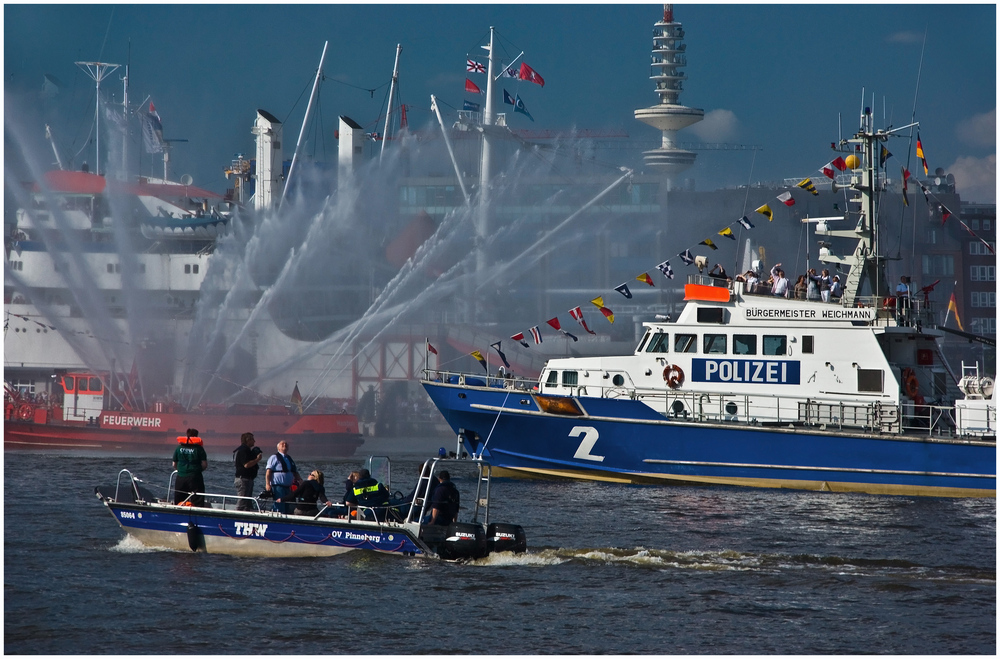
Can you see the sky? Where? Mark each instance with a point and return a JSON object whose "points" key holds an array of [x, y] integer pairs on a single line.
{"points": [[788, 78]]}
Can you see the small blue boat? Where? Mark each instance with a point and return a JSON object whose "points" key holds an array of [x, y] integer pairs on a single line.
{"points": [[219, 527]]}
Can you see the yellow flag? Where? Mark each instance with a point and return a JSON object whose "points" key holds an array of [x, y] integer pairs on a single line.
{"points": [[598, 302], [766, 211], [479, 357], [728, 233]]}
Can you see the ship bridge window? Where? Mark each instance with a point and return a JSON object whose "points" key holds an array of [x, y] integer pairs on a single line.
{"points": [[711, 315], [659, 343], [68, 383], [715, 344], [645, 337], [775, 345], [685, 343], [553, 379], [569, 378], [744, 344]]}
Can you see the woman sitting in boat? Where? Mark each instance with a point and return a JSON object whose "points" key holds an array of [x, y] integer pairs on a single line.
{"points": [[308, 493]]}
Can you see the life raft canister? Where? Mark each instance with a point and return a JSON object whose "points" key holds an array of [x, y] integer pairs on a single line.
{"points": [[673, 375]]}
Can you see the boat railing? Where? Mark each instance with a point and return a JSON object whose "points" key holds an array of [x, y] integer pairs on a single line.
{"points": [[506, 381], [132, 486]]}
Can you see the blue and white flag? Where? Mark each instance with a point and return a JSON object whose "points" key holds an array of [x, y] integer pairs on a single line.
{"points": [[745, 222], [519, 107], [470, 106], [623, 289], [687, 257], [665, 268], [511, 72]]}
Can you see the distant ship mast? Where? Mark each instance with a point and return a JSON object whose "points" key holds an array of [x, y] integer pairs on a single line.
{"points": [[669, 116], [98, 71]]}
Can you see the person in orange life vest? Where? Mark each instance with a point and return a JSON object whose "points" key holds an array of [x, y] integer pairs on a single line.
{"points": [[190, 460]]}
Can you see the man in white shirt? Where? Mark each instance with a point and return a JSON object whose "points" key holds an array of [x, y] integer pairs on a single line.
{"points": [[780, 285]]}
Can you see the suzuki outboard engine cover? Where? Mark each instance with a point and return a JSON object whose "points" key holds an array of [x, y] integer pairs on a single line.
{"points": [[463, 541], [506, 537]]}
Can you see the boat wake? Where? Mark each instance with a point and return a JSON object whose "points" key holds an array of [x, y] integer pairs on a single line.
{"points": [[129, 545], [731, 560]]}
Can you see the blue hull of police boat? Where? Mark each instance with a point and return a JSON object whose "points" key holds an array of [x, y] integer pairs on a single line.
{"points": [[625, 440]]}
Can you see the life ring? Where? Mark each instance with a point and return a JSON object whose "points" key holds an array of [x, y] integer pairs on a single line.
{"points": [[911, 385], [673, 375], [25, 412]]}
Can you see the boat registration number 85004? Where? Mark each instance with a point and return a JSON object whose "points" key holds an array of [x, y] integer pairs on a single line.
{"points": [[752, 371]]}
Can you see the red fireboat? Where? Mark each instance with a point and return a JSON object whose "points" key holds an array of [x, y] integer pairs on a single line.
{"points": [[82, 421]]}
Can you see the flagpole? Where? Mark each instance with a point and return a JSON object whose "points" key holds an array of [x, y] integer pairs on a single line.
{"points": [[427, 356]]}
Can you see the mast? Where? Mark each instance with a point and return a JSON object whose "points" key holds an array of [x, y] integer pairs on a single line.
{"points": [[97, 71], [392, 94], [305, 120], [125, 115], [867, 264], [486, 166]]}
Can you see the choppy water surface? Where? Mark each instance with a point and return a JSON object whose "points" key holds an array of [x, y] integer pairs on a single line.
{"points": [[610, 569]]}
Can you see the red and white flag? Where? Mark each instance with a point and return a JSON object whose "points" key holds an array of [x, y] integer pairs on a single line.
{"points": [[786, 199], [828, 171], [474, 66], [472, 87], [519, 337], [535, 335], [529, 74], [577, 315]]}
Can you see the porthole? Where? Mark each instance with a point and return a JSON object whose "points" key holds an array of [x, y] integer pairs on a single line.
{"points": [[618, 380]]}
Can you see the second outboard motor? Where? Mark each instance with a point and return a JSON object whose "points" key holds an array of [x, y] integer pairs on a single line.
{"points": [[506, 537], [463, 541]]}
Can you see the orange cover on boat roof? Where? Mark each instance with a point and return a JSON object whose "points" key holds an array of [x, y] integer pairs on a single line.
{"points": [[706, 293]]}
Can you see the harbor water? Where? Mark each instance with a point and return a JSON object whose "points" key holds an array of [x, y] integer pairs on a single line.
{"points": [[610, 569]]}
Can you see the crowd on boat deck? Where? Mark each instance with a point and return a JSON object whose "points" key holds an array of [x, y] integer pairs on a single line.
{"points": [[809, 286], [364, 496]]}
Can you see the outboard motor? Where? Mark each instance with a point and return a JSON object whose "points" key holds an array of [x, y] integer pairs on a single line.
{"points": [[506, 537], [463, 541]]}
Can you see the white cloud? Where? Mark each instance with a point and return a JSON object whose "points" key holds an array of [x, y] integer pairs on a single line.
{"points": [[979, 130], [976, 178], [717, 126]]}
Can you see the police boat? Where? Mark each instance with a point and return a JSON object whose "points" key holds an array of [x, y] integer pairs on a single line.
{"points": [[246, 526]]}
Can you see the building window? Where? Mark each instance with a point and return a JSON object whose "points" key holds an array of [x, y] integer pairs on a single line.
{"points": [[187, 268], [983, 325], [986, 225], [194, 268], [978, 248], [938, 264], [984, 299], [975, 225], [983, 273], [111, 268]]}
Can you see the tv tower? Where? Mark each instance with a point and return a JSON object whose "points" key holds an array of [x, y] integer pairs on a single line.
{"points": [[669, 115]]}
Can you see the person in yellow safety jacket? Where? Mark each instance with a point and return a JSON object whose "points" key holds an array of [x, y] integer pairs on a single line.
{"points": [[369, 493]]}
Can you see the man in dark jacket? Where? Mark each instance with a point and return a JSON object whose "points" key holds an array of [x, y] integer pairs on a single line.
{"points": [[369, 493], [445, 501], [247, 462]]}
